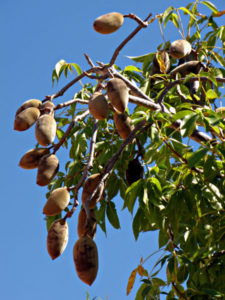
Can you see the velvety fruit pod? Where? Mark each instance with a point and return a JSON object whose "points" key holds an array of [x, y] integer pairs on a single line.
{"points": [[29, 103], [45, 130], [180, 49], [57, 201], [30, 159], [117, 93], [85, 256], [47, 108], [98, 106], [134, 171], [26, 118], [86, 229], [47, 169], [123, 126], [57, 238], [162, 56], [108, 23], [193, 66], [89, 186], [221, 111]]}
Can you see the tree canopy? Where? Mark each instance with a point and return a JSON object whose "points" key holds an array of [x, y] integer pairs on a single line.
{"points": [[160, 147]]}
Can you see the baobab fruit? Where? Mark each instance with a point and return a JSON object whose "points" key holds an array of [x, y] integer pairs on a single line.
{"points": [[57, 238], [134, 171], [98, 106], [85, 256], [47, 108], [89, 186], [29, 103], [221, 112], [117, 93], [123, 124], [26, 118], [108, 23], [160, 63], [57, 201], [85, 227], [31, 158], [47, 169], [193, 66], [180, 49], [45, 130]]}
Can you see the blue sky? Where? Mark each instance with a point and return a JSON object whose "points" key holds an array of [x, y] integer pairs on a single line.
{"points": [[34, 36]]}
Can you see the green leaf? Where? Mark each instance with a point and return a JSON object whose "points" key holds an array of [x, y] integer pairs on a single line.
{"points": [[137, 228], [132, 69], [181, 114], [210, 94], [189, 124], [112, 215], [77, 68], [132, 193], [196, 157], [141, 58], [210, 5], [187, 11], [59, 67]]}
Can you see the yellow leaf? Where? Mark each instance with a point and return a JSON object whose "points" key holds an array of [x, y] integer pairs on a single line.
{"points": [[140, 270], [141, 260], [131, 281], [219, 14], [161, 63]]}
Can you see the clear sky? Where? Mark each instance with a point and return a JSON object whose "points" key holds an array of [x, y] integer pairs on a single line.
{"points": [[34, 36]]}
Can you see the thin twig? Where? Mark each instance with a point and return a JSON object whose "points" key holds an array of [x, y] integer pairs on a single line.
{"points": [[137, 19], [90, 62], [178, 292], [178, 81], [70, 127], [181, 25], [70, 102], [130, 36]]}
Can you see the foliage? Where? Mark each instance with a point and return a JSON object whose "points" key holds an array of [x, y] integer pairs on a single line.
{"points": [[181, 194]]}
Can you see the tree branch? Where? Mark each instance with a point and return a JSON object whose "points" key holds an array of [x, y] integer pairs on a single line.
{"points": [[130, 36], [173, 83], [110, 164], [70, 102], [70, 127], [87, 168]]}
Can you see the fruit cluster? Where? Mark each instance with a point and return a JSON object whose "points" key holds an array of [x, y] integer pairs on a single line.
{"points": [[85, 252]]}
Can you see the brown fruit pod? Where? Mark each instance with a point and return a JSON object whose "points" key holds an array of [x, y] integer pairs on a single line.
{"points": [[122, 123], [86, 229], [108, 23], [117, 93], [26, 118], [31, 158], [193, 66], [85, 256], [98, 106], [89, 186], [134, 171], [47, 108], [180, 49], [29, 103], [47, 169], [57, 238], [162, 56], [45, 130], [57, 201]]}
